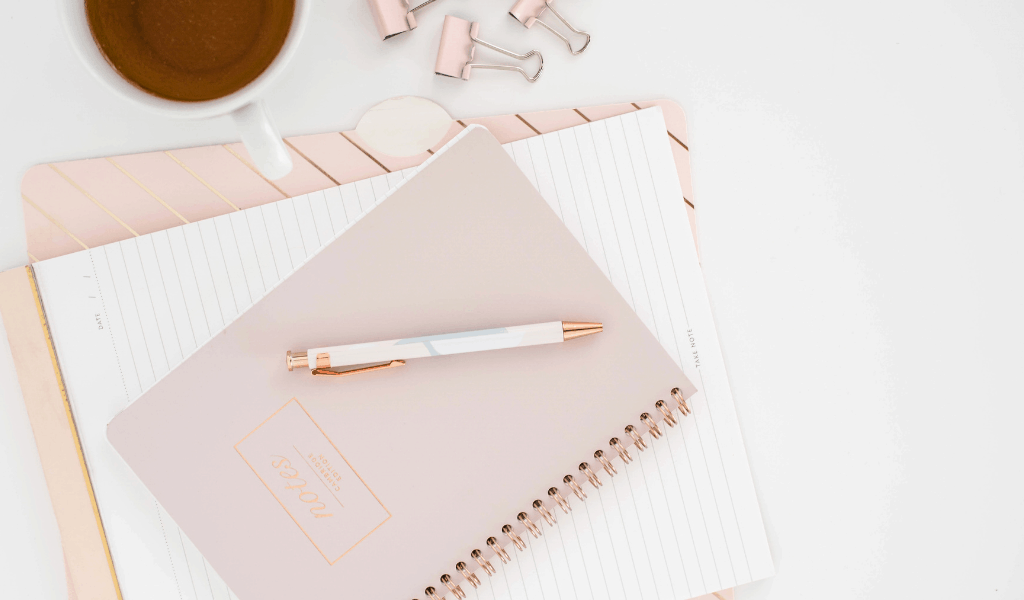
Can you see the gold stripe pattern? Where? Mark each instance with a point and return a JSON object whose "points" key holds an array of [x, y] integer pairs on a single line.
{"points": [[53, 220], [71, 423], [677, 140], [254, 170], [582, 115], [527, 123], [201, 180], [370, 156], [93, 199], [147, 190], [315, 166], [32, 257]]}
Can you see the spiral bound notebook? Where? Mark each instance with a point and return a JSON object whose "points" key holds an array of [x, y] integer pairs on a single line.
{"points": [[170, 567], [614, 184], [423, 467]]}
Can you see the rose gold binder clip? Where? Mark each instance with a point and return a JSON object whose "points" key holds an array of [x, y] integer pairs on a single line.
{"points": [[470, 577], [530, 526], [544, 512], [683, 406], [483, 562], [446, 579], [510, 532], [493, 543], [458, 48], [671, 420], [393, 17], [528, 12]]}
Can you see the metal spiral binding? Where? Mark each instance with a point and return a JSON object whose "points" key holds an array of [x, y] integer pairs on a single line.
{"points": [[470, 576], [483, 562], [656, 432], [608, 466], [671, 420], [446, 579], [683, 406], [623, 453], [493, 543], [652, 426], [591, 476], [562, 504], [638, 441], [512, 535], [525, 520], [544, 512], [575, 487]]}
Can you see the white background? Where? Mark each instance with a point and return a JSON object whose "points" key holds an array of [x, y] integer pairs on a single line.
{"points": [[859, 176]]}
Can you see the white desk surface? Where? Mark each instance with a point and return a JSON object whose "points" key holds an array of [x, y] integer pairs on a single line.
{"points": [[859, 174]]}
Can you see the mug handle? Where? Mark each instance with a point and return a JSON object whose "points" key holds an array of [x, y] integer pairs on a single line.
{"points": [[261, 139]]}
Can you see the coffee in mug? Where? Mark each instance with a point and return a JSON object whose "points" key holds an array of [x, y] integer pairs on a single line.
{"points": [[190, 50]]}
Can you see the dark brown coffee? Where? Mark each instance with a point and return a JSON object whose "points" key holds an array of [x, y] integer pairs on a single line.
{"points": [[190, 50]]}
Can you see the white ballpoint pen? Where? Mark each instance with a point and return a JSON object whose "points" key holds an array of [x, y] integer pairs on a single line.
{"points": [[394, 353]]}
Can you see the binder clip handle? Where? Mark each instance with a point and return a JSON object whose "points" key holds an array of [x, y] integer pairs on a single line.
{"points": [[513, 55], [421, 5], [528, 12], [457, 50]]}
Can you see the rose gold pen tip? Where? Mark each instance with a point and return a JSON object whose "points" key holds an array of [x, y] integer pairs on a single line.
{"points": [[572, 334], [576, 325]]}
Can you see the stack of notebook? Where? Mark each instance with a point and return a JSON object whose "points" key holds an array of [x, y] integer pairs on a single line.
{"points": [[444, 458]]}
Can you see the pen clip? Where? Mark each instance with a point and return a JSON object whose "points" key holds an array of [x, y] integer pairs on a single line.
{"points": [[331, 373]]}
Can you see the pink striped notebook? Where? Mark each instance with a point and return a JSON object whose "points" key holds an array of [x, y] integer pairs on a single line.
{"points": [[80, 204]]}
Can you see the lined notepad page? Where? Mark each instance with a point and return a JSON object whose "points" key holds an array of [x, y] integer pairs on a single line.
{"points": [[680, 521]]}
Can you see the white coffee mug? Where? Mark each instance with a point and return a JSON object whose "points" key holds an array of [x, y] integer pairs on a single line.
{"points": [[257, 129]]}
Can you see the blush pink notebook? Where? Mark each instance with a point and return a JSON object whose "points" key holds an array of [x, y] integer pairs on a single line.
{"points": [[86, 203], [375, 486]]}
